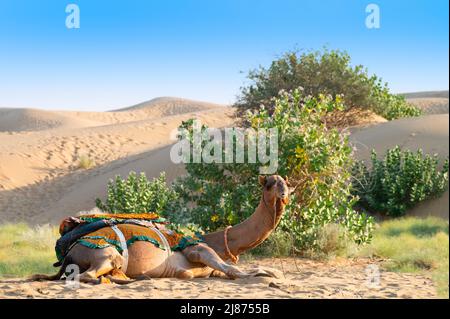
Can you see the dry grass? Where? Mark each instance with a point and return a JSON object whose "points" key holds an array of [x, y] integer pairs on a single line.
{"points": [[85, 162]]}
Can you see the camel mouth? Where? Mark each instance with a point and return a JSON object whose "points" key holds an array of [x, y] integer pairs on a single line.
{"points": [[283, 196], [284, 200]]}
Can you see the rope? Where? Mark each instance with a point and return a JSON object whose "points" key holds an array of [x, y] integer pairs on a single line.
{"points": [[233, 258], [123, 244], [163, 240]]}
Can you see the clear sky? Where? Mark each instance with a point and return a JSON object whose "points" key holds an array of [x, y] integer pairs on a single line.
{"points": [[126, 52]]}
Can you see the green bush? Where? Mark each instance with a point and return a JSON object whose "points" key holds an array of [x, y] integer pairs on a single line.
{"points": [[314, 157], [326, 72], [137, 194], [398, 181], [391, 106]]}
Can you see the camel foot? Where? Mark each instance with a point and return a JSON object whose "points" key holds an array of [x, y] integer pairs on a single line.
{"points": [[234, 272], [119, 281], [143, 277], [265, 272]]}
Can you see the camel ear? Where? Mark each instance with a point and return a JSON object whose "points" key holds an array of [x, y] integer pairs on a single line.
{"points": [[262, 180]]}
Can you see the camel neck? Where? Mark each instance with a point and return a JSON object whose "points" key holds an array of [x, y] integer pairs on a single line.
{"points": [[249, 233]]}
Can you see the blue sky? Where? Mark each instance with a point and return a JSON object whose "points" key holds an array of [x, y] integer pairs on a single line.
{"points": [[126, 52]]}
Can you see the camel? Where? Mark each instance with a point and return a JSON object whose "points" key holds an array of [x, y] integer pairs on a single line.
{"points": [[207, 259]]}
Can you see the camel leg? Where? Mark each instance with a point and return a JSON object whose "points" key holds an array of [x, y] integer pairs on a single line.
{"points": [[184, 274], [57, 276], [204, 254], [99, 268]]}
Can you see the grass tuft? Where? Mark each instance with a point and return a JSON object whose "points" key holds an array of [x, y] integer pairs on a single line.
{"points": [[85, 162]]}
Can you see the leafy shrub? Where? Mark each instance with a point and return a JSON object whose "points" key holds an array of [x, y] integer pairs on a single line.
{"points": [[398, 181], [327, 72], [391, 106], [137, 194], [315, 158]]}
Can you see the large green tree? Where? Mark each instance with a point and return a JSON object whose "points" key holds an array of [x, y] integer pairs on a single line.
{"points": [[328, 72]]}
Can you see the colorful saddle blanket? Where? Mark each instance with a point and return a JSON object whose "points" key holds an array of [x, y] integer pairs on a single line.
{"points": [[94, 231], [71, 222], [151, 217], [106, 237]]}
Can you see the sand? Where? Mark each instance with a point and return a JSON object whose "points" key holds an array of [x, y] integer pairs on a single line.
{"points": [[41, 182], [300, 279], [436, 105]]}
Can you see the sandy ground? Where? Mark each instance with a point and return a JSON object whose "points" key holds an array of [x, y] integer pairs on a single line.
{"points": [[40, 182], [301, 279]]}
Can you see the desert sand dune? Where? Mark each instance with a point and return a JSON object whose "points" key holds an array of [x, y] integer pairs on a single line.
{"points": [[164, 106], [154, 109], [436, 105], [40, 180], [430, 102], [426, 94], [16, 120]]}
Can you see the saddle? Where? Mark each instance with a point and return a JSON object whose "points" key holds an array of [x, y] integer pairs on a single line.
{"points": [[99, 231]]}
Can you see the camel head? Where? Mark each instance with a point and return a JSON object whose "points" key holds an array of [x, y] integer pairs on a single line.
{"points": [[275, 188], [68, 224]]}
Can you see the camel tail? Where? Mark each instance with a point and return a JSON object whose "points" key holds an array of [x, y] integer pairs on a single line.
{"points": [[57, 276]]}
